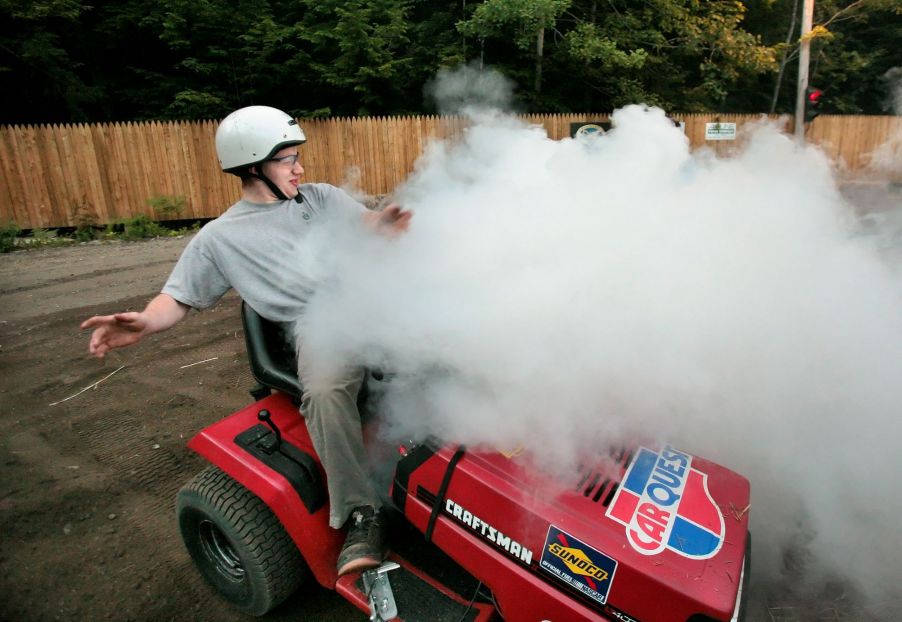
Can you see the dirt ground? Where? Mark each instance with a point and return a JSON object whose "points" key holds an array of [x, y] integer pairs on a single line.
{"points": [[87, 493], [88, 485]]}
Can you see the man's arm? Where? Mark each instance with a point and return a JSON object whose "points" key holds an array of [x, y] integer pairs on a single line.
{"points": [[124, 329]]}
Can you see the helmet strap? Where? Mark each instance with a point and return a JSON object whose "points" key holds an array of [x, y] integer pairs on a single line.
{"points": [[273, 187]]}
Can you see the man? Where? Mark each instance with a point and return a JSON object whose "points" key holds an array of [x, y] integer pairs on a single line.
{"points": [[252, 247]]}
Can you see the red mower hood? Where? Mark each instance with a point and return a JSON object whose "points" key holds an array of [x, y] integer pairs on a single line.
{"points": [[650, 534]]}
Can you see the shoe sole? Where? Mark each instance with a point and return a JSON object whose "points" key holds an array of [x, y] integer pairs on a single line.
{"points": [[361, 563]]}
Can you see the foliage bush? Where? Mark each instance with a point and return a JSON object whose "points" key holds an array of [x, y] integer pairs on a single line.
{"points": [[85, 233], [193, 228], [85, 221], [167, 207], [43, 236], [137, 228], [141, 226], [8, 233]]}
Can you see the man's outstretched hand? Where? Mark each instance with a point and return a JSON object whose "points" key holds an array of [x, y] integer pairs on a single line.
{"points": [[392, 220], [124, 329], [114, 331]]}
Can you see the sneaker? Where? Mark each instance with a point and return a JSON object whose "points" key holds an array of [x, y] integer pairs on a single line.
{"points": [[364, 545]]}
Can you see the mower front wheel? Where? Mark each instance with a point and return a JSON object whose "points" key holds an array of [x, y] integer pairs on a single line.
{"points": [[237, 543]]}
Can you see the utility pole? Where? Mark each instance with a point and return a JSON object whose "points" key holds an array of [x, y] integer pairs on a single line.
{"points": [[804, 56]]}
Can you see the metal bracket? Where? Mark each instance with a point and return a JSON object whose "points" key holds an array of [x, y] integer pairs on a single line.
{"points": [[378, 590]]}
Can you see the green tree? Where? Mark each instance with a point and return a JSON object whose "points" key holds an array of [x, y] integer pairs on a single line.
{"points": [[681, 54], [853, 44], [38, 75], [213, 44], [359, 50], [64, 60], [688, 54], [859, 43], [525, 20], [435, 43]]}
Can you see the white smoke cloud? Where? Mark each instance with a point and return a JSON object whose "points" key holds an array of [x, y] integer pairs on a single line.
{"points": [[468, 89], [562, 296], [893, 80], [885, 162]]}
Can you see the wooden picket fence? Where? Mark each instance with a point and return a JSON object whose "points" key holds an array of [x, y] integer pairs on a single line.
{"points": [[61, 175]]}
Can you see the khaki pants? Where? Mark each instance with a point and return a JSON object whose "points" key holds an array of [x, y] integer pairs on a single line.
{"points": [[329, 408]]}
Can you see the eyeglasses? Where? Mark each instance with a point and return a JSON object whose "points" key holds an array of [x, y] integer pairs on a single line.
{"points": [[286, 161]]}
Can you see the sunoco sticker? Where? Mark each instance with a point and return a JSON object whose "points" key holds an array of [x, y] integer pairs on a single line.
{"points": [[578, 564]]}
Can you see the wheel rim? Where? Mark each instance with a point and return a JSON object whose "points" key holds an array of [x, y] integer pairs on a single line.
{"points": [[219, 551]]}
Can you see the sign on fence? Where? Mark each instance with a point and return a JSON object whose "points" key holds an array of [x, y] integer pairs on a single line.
{"points": [[720, 131], [587, 130]]}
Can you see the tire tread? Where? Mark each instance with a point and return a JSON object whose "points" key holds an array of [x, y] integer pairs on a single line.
{"points": [[281, 568]]}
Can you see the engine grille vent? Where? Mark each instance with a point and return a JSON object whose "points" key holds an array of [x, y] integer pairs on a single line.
{"points": [[596, 481]]}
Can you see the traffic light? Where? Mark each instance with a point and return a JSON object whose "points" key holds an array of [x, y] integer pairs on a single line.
{"points": [[813, 98]]}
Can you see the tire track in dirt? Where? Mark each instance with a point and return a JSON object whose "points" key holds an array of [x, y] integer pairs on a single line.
{"points": [[147, 467], [84, 275], [142, 448], [91, 532], [132, 453], [79, 260], [71, 282]]}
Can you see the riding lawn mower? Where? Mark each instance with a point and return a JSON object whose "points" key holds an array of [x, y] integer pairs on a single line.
{"points": [[644, 533]]}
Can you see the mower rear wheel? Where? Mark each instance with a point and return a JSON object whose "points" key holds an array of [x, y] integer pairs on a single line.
{"points": [[237, 543]]}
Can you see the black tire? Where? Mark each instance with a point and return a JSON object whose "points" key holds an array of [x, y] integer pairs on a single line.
{"points": [[237, 543]]}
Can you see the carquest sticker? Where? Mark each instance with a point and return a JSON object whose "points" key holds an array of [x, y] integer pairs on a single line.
{"points": [[665, 504], [576, 563]]}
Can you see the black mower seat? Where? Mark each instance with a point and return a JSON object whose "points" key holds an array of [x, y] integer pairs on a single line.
{"points": [[273, 361]]}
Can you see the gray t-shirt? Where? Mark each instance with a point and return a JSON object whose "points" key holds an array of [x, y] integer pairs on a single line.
{"points": [[257, 249]]}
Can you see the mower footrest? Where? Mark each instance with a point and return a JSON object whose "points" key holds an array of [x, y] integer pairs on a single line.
{"points": [[378, 591], [417, 596]]}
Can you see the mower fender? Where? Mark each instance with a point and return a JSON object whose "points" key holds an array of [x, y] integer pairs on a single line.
{"points": [[318, 543]]}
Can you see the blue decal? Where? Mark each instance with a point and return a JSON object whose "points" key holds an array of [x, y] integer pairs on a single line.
{"points": [[640, 471], [692, 540]]}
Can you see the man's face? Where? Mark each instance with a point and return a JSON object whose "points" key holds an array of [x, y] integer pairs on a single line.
{"points": [[285, 170]]}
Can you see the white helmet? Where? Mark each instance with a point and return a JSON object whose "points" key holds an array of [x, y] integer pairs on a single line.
{"points": [[252, 135]]}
